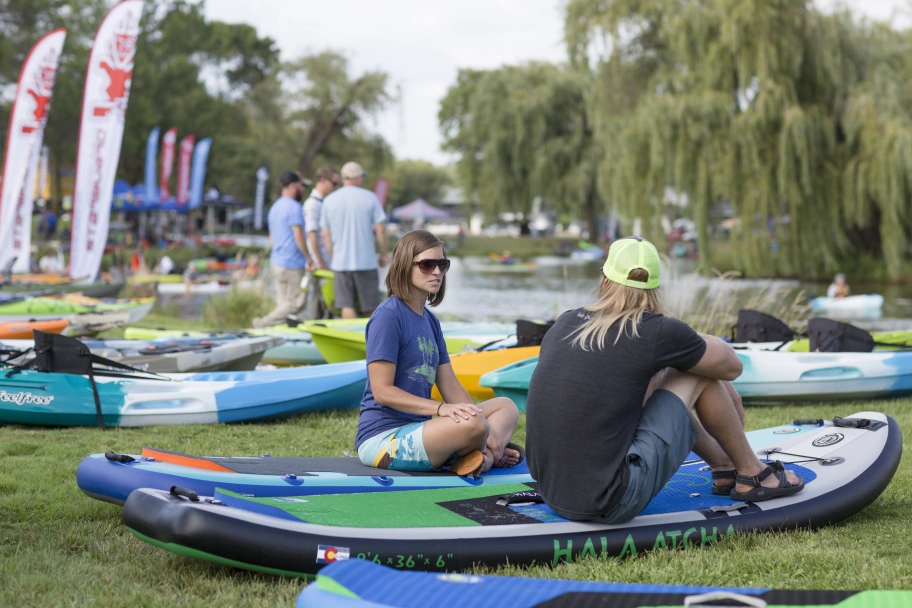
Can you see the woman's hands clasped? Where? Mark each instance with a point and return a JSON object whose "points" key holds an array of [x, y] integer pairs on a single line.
{"points": [[459, 411]]}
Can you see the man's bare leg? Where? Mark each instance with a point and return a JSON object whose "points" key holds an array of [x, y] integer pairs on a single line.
{"points": [[715, 408]]}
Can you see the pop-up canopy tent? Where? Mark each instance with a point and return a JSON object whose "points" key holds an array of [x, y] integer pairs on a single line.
{"points": [[419, 209]]}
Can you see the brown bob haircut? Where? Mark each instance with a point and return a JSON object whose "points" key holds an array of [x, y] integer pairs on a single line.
{"points": [[399, 279]]}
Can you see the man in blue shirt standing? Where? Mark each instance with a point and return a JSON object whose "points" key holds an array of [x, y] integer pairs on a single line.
{"points": [[351, 221], [289, 262]]}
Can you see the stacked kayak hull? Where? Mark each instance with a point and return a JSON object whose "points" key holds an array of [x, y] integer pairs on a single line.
{"points": [[45, 309], [844, 469], [298, 348], [775, 377], [23, 330], [186, 355], [52, 399], [110, 478]]}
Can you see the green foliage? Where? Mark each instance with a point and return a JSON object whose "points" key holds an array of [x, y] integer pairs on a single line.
{"points": [[413, 179], [800, 119], [522, 132], [212, 79], [236, 309]]}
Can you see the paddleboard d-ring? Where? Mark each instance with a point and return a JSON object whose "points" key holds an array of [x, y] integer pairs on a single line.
{"points": [[832, 462]]}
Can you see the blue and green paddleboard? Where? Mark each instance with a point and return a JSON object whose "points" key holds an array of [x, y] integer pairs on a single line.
{"points": [[111, 477], [845, 467], [360, 584]]}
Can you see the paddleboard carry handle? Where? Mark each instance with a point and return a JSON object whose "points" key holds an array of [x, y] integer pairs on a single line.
{"points": [[808, 421], [715, 596], [188, 494]]}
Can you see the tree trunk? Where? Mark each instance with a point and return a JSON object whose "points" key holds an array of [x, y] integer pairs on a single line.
{"points": [[321, 133], [590, 212]]}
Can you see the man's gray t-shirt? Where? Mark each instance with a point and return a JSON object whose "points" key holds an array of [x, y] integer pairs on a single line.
{"points": [[350, 214], [584, 407]]}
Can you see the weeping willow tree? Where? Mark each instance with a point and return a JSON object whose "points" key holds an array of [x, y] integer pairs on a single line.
{"points": [[793, 116], [523, 132]]}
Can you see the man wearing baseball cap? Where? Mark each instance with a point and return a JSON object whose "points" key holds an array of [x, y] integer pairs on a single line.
{"points": [[622, 394], [288, 260], [351, 221]]}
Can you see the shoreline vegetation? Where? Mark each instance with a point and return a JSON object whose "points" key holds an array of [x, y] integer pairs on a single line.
{"points": [[862, 270]]}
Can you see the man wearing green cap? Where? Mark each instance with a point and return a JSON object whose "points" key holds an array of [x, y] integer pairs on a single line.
{"points": [[622, 394]]}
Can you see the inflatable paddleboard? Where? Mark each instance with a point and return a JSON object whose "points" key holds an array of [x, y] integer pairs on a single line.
{"points": [[356, 583], [845, 467], [111, 477]]}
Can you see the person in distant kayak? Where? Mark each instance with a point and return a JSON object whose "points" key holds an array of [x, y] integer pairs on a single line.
{"points": [[400, 426], [609, 418], [838, 288]]}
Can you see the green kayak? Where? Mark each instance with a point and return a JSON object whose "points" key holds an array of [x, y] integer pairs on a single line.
{"points": [[43, 309]]}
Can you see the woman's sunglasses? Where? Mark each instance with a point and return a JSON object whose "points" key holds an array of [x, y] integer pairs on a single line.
{"points": [[428, 266]]}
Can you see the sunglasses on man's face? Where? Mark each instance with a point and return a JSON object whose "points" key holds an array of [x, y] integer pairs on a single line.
{"points": [[428, 266]]}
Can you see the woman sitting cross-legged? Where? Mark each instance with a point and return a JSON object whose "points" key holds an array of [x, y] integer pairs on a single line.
{"points": [[406, 357]]}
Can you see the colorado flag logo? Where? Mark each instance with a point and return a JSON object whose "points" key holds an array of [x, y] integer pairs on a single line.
{"points": [[327, 554]]}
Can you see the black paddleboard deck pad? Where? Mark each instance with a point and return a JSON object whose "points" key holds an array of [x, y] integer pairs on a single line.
{"points": [[845, 469], [112, 477], [361, 584]]}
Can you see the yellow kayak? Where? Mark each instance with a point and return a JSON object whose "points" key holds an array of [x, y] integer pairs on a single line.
{"points": [[470, 367]]}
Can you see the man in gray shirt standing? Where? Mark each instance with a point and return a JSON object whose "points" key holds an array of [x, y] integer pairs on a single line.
{"points": [[351, 221]]}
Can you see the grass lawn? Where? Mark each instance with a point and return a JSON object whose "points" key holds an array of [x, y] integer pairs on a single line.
{"points": [[59, 547]]}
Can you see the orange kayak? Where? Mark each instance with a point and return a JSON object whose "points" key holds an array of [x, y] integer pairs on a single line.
{"points": [[22, 330], [470, 367]]}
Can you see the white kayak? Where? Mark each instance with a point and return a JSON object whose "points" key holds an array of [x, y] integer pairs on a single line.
{"points": [[866, 304], [792, 376]]}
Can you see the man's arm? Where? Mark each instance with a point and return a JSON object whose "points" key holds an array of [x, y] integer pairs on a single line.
{"points": [[380, 233], [298, 232], [719, 361], [327, 241], [316, 254]]}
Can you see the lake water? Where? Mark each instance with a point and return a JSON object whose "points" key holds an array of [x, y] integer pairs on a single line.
{"points": [[478, 290]]}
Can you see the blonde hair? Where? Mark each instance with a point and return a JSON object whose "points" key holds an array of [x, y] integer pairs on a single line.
{"points": [[618, 304]]}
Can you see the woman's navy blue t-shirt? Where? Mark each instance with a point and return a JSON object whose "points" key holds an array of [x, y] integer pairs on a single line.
{"points": [[414, 343]]}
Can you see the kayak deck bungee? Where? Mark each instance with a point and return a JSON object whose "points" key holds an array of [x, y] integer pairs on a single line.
{"points": [[57, 399], [844, 468], [113, 480], [354, 583]]}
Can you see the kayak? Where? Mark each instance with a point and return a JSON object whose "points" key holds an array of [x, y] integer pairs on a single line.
{"points": [[358, 583], [43, 309], [471, 367], [497, 267], [588, 255], [298, 348], [865, 304], [774, 377], [898, 338], [57, 399], [346, 341], [845, 467], [111, 477], [177, 356], [140, 279], [212, 287], [101, 289], [23, 329]]}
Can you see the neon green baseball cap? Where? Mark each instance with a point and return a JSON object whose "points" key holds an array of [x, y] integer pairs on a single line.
{"points": [[630, 253]]}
